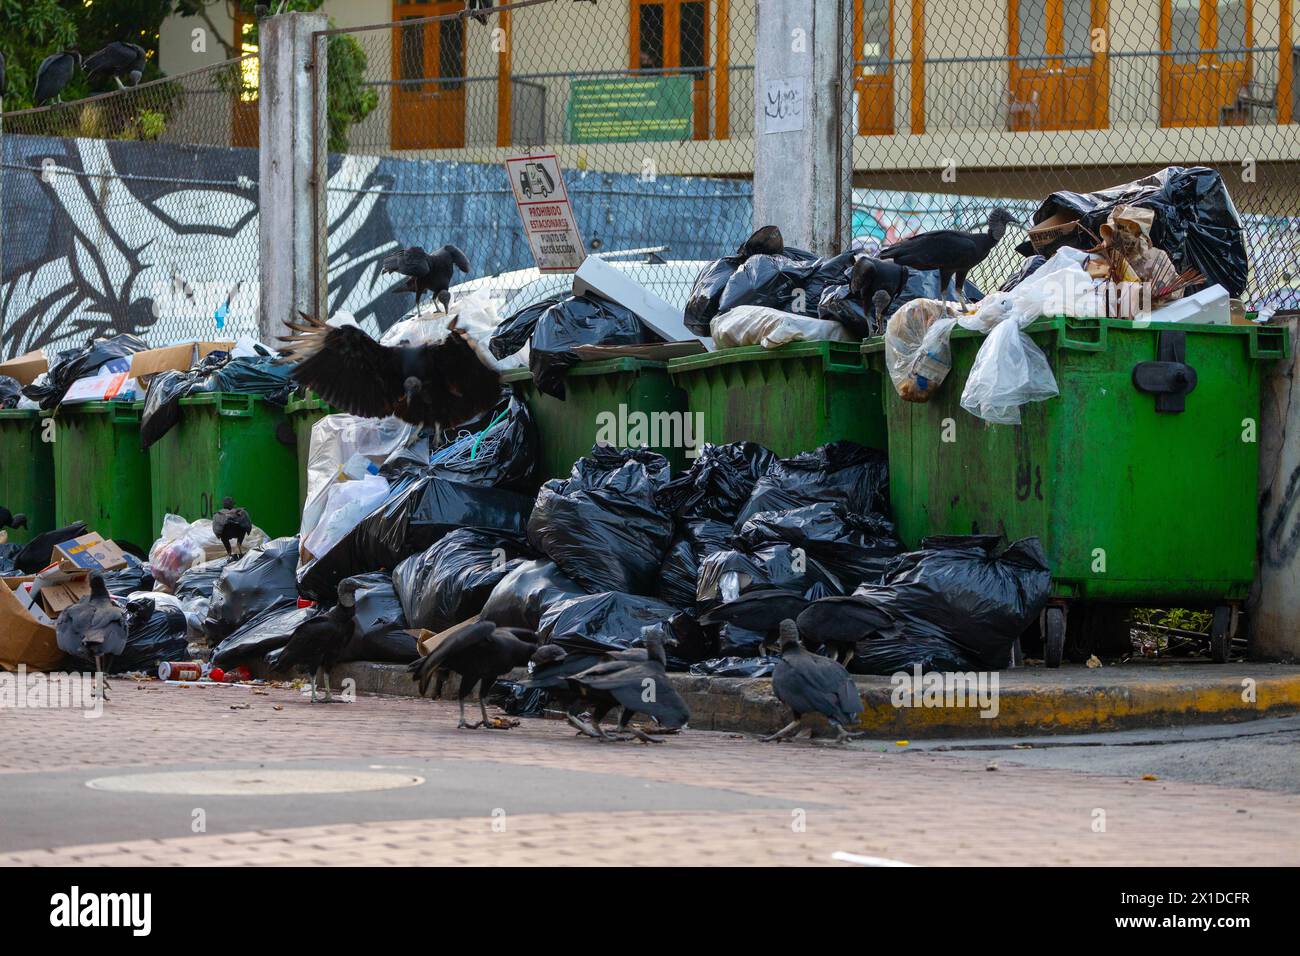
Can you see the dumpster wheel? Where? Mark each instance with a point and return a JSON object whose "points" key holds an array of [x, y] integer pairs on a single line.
{"points": [[1053, 635], [1221, 634]]}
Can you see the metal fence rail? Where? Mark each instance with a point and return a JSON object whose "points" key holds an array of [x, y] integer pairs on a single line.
{"points": [[441, 101], [957, 111], [133, 211]]}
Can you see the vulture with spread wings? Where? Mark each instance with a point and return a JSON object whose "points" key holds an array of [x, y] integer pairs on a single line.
{"points": [[438, 385]]}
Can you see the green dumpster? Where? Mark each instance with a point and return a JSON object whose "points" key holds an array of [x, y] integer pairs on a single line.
{"points": [[789, 399], [303, 414], [622, 401], [27, 473], [232, 444], [101, 476], [1134, 506]]}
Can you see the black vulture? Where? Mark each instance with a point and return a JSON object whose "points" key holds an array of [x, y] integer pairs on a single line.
{"points": [[876, 282], [231, 524], [426, 271], [36, 553], [10, 520], [54, 73], [551, 667], [952, 252], [438, 385], [316, 643], [808, 683], [93, 629], [639, 686], [478, 5], [115, 61], [767, 241], [480, 654], [760, 611]]}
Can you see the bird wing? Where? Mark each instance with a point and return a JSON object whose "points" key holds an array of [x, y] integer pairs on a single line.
{"points": [[345, 367], [925, 250], [70, 626], [307, 644], [409, 262], [758, 610], [423, 670], [640, 686], [809, 684], [110, 59], [457, 257]]}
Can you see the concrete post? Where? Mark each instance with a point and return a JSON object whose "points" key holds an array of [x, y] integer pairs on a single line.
{"points": [[1275, 610], [803, 132], [290, 162]]}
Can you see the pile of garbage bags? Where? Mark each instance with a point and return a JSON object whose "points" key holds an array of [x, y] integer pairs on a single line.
{"points": [[217, 372], [75, 364]]}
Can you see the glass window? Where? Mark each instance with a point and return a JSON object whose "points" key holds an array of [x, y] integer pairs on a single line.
{"points": [[1232, 28], [875, 37], [1185, 30], [451, 53], [693, 35], [651, 20], [1031, 21], [412, 57], [1077, 15]]}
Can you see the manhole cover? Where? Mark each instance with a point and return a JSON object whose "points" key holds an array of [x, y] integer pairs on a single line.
{"points": [[254, 782]]}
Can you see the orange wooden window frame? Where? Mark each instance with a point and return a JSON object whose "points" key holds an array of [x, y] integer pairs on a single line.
{"points": [[401, 135], [1054, 26], [673, 53], [863, 81], [1208, 39]]}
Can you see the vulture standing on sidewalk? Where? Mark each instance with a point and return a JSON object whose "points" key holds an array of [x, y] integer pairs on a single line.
{"points": [[480, 654], [315, 645], [952, 252], [437, 386], [115, 61], [809, 684], [231, 524], [426, 271], [54, 73], [639, 686], [551, 667], [93, 629]]}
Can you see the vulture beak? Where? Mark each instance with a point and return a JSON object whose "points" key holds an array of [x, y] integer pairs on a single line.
{"points": [[412, 386]]}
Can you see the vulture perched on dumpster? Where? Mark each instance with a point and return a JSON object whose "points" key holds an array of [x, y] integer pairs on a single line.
{"points": [[93, 629], [639, 686], [952, 252], [438, 385], [115, 61], [315, 645], [480, 654], [810, 684], [876, 282], [426, 271], [54, 73]]}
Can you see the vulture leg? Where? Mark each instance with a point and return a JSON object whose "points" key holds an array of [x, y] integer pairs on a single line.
{"points": [[329, 695], [118, 81], [841, 735], [101, 678], [961, 290], [490, 723], [584, 729], [464, 724], [315, 678], [625, 727], [789, 730], [845, 655]]}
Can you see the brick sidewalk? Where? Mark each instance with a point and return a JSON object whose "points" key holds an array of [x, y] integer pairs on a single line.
{"points": [[919, 808]]}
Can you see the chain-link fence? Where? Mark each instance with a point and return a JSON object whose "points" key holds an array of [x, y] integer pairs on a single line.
{"points": [[133, 211], [960, 107], [648, 105]]}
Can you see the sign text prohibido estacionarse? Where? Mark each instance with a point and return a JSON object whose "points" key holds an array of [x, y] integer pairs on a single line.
{"points": [[547, 216]]}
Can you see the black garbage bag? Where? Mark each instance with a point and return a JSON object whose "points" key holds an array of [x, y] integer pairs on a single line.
{"points": [[679, 574], [162, 405], [153, 634], [516, 700], [10, 392], [610, 618], [841, 472], [34, 556], [266, 631], [956, 603], [524, 594], [601, 525], [735, 667], [8, 552], [718, 483], [76, 363], [134, 577], [378, 623], [247, 375], [450, 581], [515, 331], [725, 575], [1196, 222], [503, 455], [417, 513], [199, 580], [792, 282], [586, 319], [706, 293], [1027, 268], [855, 548], [261, 579]]}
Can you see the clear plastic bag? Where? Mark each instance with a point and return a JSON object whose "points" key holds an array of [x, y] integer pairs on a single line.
{"points": [[772, 328], [184, 544], [917, 353], [343, 506], [1009, 371]]}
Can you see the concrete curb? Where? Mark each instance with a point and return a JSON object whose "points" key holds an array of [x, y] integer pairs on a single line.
{"points": [[1030, 701]]}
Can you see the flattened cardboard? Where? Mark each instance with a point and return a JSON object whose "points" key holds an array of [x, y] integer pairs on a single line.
{"points": [[25, 368], [655, 351], [174, 358], [23, 640], [91, 552]]}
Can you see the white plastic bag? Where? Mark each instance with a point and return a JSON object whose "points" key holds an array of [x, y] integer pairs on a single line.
{"points": [[1009, 370], [475, 314], [336, 438], [772, 328], [343, 505]]}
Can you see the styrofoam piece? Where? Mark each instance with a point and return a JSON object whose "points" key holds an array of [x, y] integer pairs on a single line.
{"points": [[596, 275]]}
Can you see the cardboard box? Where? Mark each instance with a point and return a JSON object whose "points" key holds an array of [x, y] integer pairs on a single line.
{"points": [[90, 552], [59, 587], [23, 639], [1052, 229], [174, 358], [25, 368]]}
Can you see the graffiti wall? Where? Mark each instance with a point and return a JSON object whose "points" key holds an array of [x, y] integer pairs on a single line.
{"points": [[161, 240]]}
